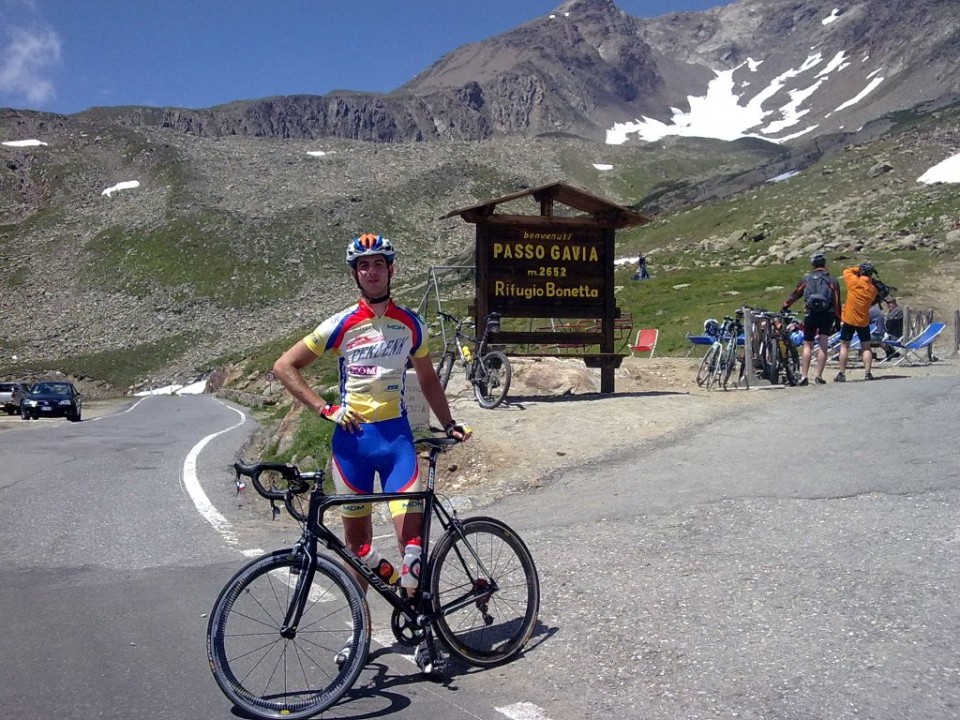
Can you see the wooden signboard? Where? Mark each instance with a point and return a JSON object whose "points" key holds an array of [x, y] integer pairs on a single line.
{"points": [[551, 266], [544, 270]]}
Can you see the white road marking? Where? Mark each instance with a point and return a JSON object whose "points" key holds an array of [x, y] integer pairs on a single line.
{"points": [[191, 484], [124, 412], [522, 711]]}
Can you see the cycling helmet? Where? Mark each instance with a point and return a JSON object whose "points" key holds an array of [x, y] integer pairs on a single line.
{"points": [[711, 328], [867, 269], [818, 259], [369, 244]]}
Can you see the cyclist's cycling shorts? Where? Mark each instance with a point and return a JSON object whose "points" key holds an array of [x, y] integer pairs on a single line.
{"points": [[817, 323], [385, 448], [847, 331]]}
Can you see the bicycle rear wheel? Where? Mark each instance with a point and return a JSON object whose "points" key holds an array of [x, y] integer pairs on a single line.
{"points": [[708, 364], [444, 368], [491, 379], [729, 362], [791, 365], [272, 676], [771, 360], [486, 592]]}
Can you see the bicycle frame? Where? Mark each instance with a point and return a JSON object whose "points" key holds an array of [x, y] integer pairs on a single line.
{"points": [[416, 609], [458, 340]]}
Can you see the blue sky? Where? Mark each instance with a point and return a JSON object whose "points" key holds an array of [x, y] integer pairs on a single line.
{"points": [[68, 55]]}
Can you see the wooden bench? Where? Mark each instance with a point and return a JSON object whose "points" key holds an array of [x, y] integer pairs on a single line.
{"points": [[622, 334]]}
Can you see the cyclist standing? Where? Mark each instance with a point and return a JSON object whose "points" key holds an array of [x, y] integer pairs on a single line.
{"points": [[374, 339], [821, 295], [861, 292]]}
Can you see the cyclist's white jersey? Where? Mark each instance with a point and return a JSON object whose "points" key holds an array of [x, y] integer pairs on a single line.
{"points": [[373, 355]]}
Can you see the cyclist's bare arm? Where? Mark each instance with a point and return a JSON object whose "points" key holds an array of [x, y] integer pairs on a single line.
{"points": [[433, 393], [288, 369]]}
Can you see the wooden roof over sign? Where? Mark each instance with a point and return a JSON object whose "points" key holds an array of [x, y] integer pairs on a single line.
{"points": [[603, 213]]}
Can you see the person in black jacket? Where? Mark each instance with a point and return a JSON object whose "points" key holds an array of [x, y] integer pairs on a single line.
{"points": [[821, 296], [894, 326]]}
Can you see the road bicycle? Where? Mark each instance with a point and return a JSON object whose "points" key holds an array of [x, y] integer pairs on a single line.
{"points": [[289, 634], [717, 365], [488, 371]]}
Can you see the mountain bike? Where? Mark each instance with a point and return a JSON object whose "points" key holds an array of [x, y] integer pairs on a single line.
{"points": [[290, 632], [778, 355], [488, 371]]}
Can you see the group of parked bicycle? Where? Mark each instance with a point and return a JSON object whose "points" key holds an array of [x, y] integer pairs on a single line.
{"points": [[774, 343], [783, 347]]}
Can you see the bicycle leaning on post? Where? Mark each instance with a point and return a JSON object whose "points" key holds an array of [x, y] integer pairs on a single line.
{"points": [[488, 371], [777, 354], [722, 356], [289, 634]]}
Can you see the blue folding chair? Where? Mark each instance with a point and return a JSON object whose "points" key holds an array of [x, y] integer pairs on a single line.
{"points": [[909, 352], [696, 340]]}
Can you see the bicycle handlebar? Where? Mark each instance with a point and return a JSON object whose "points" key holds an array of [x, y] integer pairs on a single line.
{"points": [[290, 473], [298, 482]]}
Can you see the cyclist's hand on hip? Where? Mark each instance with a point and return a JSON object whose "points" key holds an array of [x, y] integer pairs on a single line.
{"points": [[343, 416], [458, 431]]}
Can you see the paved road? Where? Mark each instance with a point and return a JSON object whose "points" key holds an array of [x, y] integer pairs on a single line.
{"points": [[108, 570], [800, 562], [796, 563]]}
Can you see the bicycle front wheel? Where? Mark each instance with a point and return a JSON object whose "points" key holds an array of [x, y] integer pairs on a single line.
{"points": [[708, 364], [444, 368], [491, 379], [486, 591], [729, 362], [294, 674]]}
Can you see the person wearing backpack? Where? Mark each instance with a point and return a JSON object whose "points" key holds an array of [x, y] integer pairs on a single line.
{"points": [[821, 299], [861, 293]]}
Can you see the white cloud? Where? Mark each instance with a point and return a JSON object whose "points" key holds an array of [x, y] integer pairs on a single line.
{"points": [[28, 55]]}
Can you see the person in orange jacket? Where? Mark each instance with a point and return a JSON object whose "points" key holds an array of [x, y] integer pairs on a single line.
{"points": [[855, 318]]}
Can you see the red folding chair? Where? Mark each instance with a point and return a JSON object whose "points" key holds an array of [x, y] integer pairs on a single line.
{"points": [[646, 341]]}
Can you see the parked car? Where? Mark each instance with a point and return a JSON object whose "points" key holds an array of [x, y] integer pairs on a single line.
{"points": [[11, 393], [52, 398]]}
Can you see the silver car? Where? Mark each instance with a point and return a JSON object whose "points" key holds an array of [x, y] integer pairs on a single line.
{"points": [[11, 393]]}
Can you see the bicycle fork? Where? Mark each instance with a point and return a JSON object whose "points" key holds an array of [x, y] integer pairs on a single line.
{"points": [[305, 574]]}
